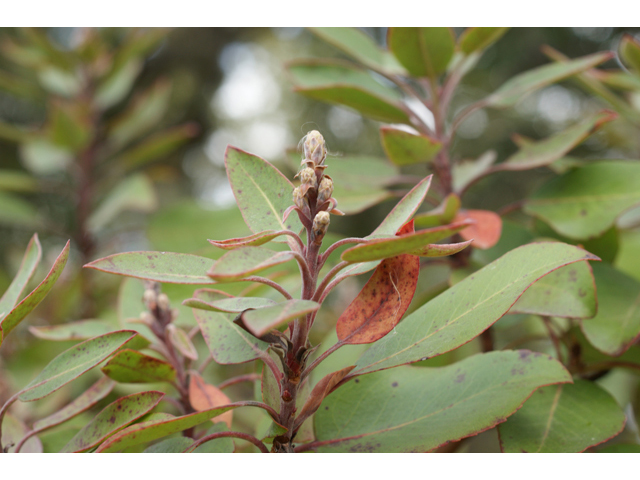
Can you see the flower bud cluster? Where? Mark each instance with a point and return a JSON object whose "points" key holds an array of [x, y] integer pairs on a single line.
{"points": [[159, 313], [313, 198]]}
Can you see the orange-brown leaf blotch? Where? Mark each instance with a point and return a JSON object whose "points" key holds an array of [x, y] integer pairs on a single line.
{"points": [[381, 303], [485, 232], [203, 396]]}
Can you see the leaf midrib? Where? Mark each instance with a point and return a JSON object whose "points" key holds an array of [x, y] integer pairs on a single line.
{"points": [[367, 367]]}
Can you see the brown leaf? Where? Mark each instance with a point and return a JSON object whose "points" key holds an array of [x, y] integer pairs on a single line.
{"points": [[381, 303], [203, 396], [485, 233], [320, 391]]}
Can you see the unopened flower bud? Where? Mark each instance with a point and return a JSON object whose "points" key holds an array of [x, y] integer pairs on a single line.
{"points": [[308, 177], [325, 190], [146, 318], [298, 198], [163, 301], [150, 298], [320, 225], [314, 147]]}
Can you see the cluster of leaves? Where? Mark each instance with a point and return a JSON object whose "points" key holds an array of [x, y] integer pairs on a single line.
{"points": [[84, 154], [240, 329], [392, 376], [584, 205]]}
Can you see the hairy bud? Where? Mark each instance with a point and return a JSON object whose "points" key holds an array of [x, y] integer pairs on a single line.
{"points": [[308, 177], [314, 147], [163, 301], [298, 198], [320, 225], [325, 190], [150, 298], [146, 318]]}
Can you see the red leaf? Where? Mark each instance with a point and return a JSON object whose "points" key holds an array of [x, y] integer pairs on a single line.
{"points": [[485, 233], [203, 396], [381, 303]]}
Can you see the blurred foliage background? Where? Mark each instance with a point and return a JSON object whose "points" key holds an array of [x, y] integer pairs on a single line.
{"points": [[115, 139]]}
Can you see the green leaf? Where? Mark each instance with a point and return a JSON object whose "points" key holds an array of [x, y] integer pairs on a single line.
{"points": [[357, 197], [157, 266], [30, 261], [245, 261], [171, 445], [585, 202], [462, 312], [153, 429], [134, 193], [143, 114], [180, 339], [31, 301], [616, 326], [424, 51], [13, 430], [568, 292], [113, 418], [380, 413], [401, 214], [261, 320], [185, 225], [117, 85], [129, 366], [517, 87], [156, 146], [404, 209], [417, 243], [17, 181], [59, 82], [466, 173], [17, 212], [72, 363], [629, 51], [42, 157], [406, 148], [254, 240], [359, 46], [341, 83], [544, 152], [441, 215], [228, 342], [69, 126], [80, 330], [231, 305], [129, 308], [262, 192], [20, 86], [85, 401], [479, 38], [219, 445], [564, 419]]}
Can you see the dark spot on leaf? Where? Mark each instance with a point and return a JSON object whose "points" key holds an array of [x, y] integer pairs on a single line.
{"points": [[583, 213], [460, 378], [394, 384]]}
